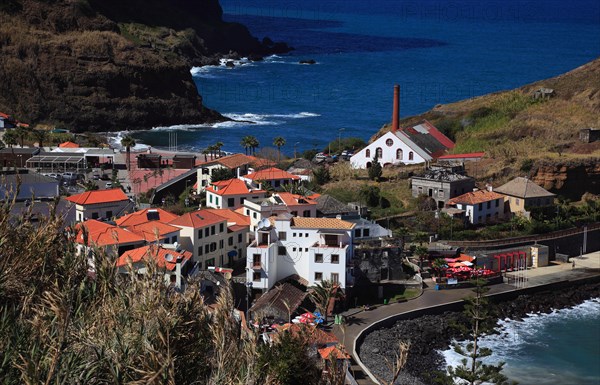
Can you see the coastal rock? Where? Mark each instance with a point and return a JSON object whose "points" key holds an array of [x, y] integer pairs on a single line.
{"points": [[107, 65], [308, 61]]}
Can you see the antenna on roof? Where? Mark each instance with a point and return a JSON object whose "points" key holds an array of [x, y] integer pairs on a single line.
{"points": [[169, 257]]}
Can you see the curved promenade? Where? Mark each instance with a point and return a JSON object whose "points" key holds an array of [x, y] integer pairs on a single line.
{"points": [[363, 322]]}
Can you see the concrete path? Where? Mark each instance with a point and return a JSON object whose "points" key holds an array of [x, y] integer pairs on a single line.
{"points": [[588, 265]]}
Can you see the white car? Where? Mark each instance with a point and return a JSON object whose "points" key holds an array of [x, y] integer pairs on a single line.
{"points": [[108, 185]]}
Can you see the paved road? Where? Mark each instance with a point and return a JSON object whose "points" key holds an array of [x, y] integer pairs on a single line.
{"points": [[587, 266]]}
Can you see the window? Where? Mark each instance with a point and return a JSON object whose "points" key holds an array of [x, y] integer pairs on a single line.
{"points": [[94, 215], [210, 262], [318, 276], [399, 154], [368, 153], [200, 234], [389, 142], [256, 260], [221, 227], [481, 206], [242, 199], [240, 239], [306, 235], [306, 249], [411, 155], [293, 249], [497, 202], [489, 204], [282, 235], [256, 276], [357, 233], [213, 246], [206, 232], [331, 240], [254, 215], [199, 250], [318, 258], [420, 190], [217, 201], [210, 198], [335, 278], [294, 213], [335, 258], [230, 241], [379, 152], [300, 235], [109, 214], [213, 230], [366, 232], [248, 212], [206, 249], [221, 244], [174, 239], [306, 213], [281, 250], [230, 202], [293, 235]]}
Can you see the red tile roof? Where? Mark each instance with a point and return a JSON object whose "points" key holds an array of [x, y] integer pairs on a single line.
{"points": [[462, 156], [443, 139], [141, 216], [239, 160], [98, 196], [271, 174], [68, 145], [231, 187], [163, 257], [3, 115], [476, 197], [295, 199], [103, 234], [333, 351], [232, 216], [149, 230], [197, 219]]}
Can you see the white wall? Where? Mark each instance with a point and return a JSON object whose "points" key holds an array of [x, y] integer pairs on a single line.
{"points": [[360, 159], [477, 216]]}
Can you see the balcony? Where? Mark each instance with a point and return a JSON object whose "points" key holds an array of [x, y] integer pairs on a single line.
{"points": [[330, 245], [257, 265]]}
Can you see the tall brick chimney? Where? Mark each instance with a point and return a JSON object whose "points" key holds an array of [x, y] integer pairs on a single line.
{"points": [[396, 111]]}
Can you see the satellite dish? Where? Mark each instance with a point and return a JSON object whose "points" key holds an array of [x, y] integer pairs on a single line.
{"points": [[264, 223], [169, 258], [228, 275]]}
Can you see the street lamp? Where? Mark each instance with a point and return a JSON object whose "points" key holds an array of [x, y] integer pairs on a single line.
{"points": [[295, 144], [340, 139], [248, 294]]}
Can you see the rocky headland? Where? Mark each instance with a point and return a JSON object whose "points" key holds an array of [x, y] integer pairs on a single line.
{"points": [[430, 333], [107, 65]]}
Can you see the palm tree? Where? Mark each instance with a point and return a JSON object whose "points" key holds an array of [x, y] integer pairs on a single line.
{"points": [[246, 143], [40, 136], [254, 143], [323, 293], [279, 142], [21, 133], [218, 146], [10, 138], [128, 142]]}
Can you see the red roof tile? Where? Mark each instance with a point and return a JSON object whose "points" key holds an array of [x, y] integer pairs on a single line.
{"points": [[271, 174], [103, 234], [231, 187], [232, 216], [197, 219], [333, 351], [443, 139], [3, 115], [142, 216], [98, 196], [148, 230], [476, 197], [163, 257], [68, 145], [295, 199]]}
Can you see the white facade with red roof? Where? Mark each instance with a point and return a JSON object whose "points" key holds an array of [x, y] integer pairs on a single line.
{"points": [[240, 164], [174, 264], [231, 194], [215, 238], [277, 178], [316, 249], [100, 204], [480, 206], [279, 203], [114, 240]]}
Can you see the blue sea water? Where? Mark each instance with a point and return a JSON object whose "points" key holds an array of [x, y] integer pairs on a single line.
{"points": [[438, 51], [560, 348]]}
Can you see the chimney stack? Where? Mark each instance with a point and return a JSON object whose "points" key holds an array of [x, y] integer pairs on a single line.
{"points": [[396, 111]]}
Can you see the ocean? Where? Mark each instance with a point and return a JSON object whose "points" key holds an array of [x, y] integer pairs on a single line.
{"points": [[438, 51], [560, 348]]}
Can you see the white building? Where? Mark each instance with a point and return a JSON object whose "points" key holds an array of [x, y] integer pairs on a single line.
{"points": [[230, 194], [277, 178], [239, 164], [100, 204], [480, 206], [316, 249], [279, 203], [413, 145]]}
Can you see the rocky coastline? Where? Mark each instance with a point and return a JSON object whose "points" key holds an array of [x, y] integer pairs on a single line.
{"points": [[430, 333]]}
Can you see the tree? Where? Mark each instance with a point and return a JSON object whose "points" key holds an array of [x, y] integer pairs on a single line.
{"points": [[40, 136], [475, 371], [21, 133], [128, 142], [321, 175], [375, 171], [323, 293], [218, 147], [254, 143], [370, 195], [421, 252], [221, 173], [246, 143], [279, 142], [10, 138]]}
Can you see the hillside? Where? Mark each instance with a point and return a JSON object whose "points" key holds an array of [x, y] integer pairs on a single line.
{"points": [[104, 65], [532, 137]]}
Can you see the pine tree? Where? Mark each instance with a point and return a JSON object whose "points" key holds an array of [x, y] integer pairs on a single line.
{"points": [[375, 171], [472, 370]]}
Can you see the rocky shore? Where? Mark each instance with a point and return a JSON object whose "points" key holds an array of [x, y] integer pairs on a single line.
{"points": [[431, 333]]}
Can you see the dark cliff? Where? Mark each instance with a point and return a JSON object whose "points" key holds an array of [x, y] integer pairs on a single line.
{"points": [[105, 65]]}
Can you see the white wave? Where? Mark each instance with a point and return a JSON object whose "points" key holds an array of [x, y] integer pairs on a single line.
{"points": [[513, 334]]}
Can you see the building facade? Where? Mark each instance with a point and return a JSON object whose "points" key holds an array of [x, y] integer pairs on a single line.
{"points": [[480, 206], [441, 185]]}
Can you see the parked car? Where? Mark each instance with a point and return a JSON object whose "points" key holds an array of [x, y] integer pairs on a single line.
{"points": [[69, 176], [96, 177], [109, 185], [105, 177], [321, 156]]}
